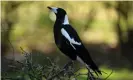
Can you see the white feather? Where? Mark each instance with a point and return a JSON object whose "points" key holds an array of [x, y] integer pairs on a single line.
{"points": [[71, 40], [66, 20], [80, 60], [54, 9]]}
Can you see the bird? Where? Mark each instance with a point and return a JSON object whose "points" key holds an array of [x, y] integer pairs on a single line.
{"points": [[68, 41]]}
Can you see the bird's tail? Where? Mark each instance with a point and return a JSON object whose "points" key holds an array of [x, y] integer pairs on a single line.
{"points": [[95, 68], [97, 72], [90, 74]]}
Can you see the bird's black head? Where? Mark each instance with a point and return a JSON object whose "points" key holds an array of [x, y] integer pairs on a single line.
{"points": [[59, 12]]}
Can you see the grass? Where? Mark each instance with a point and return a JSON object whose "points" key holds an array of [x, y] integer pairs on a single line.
{"points": [[121, 74]]}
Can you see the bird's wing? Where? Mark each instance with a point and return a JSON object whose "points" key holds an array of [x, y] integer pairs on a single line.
{"points": [[71, 35]]}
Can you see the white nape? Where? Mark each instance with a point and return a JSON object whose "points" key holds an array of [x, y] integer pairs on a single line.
{"points": [[71, 40], [66, 20]]}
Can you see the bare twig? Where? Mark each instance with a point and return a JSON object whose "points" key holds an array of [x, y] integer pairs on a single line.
{"points": [[108, 75], [54, 71]]}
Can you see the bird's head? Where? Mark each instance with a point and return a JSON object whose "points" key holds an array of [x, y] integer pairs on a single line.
{"points": [[59, 12]]}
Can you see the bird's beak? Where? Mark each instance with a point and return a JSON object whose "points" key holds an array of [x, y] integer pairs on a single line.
{"points": [[54, 9], [49, 7]]}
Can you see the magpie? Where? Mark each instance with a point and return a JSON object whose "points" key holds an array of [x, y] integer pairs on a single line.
{"points": [[68, 41]]}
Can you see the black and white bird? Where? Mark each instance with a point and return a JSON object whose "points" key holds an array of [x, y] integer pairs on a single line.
{"points": [[68, 41]]}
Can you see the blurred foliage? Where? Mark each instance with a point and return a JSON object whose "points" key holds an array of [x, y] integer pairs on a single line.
{"points": [[122, 74], [32, 19], [105, 27]]}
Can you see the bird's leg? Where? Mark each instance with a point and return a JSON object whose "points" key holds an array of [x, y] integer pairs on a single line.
{"points": [[69, 63], [72, 64], [68, 69]]}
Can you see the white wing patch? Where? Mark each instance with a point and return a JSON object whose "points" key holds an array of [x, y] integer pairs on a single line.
{"points": [[71, 40]]}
